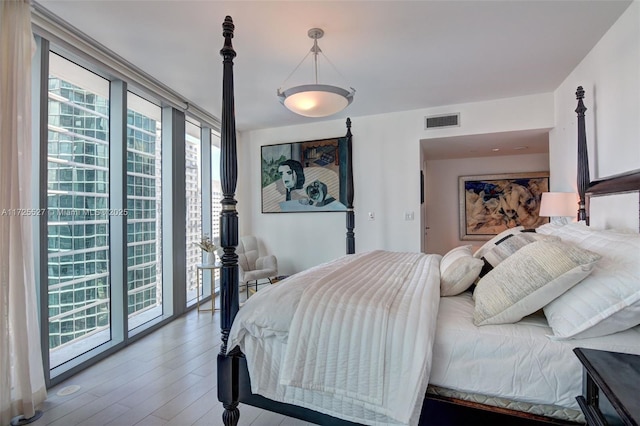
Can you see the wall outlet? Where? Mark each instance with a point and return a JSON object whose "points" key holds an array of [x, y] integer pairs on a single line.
{"points": [[408, 215], [372, 216]]}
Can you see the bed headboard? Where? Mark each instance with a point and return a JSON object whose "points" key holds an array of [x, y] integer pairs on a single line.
{"points": [[614, 202]]}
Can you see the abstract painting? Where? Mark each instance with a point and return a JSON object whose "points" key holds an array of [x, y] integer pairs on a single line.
{"points": [[489, 204], [305, 176]]}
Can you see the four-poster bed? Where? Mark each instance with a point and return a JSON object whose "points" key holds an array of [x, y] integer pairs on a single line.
{"points": [[280, 373]]}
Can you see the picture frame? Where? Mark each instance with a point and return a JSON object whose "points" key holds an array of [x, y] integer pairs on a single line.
{"points": [[304, 177], [490, 204]]}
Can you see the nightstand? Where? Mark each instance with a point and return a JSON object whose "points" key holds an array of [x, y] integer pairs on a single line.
{"points": [[610, 387]]}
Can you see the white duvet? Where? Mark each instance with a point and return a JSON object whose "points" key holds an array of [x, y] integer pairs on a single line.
{"points": [[351, 338], [517, 361]]}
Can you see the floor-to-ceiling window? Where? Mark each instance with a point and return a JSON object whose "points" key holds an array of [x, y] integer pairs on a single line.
{"points": [[144, 208], [114, 186], [193, 196], [216, 190], [77, 212]]}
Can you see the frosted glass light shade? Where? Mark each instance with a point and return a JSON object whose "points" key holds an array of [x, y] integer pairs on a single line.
{"points": [[559, 204], [316, 100]]}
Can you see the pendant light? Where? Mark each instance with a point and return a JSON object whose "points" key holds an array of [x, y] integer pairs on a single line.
{"points": [[315, 100]]}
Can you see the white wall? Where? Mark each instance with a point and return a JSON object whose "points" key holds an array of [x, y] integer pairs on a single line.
{"points": [[610, 75], [386, 151], [442, 200]]}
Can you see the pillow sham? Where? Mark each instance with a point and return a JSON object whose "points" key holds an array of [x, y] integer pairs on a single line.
{"points": [[458, 270], [529, 279], [606, 302], [493, 241], [508, 246]]}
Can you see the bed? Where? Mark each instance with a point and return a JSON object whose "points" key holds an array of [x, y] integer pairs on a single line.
{"points": [[407, 346]]}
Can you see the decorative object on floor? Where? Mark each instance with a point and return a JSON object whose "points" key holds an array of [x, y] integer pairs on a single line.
{"points": [[559, 204], [315, 100], [489, 204], [305, 176]]}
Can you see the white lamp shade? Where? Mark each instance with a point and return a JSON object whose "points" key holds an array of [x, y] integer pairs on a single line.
{"points": [[316, 100], [559, 204]]}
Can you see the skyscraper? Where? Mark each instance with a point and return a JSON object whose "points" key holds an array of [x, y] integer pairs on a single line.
{"points": [[79, 216]]}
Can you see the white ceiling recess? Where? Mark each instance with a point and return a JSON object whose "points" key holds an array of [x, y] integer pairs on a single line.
{"points": [[487, 145]]}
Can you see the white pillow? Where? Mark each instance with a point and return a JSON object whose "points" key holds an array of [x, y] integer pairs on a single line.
{"points": [[458, 270], [608, 300], [528, 280], [493, 241]]}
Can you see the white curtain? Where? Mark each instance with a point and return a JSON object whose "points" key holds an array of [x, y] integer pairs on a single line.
{"points": [[22, 386]]}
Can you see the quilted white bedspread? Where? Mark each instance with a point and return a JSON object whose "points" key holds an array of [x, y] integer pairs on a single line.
{"points": [[351, 338]]}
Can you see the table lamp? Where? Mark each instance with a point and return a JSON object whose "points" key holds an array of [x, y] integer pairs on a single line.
{"points": [[559, 205]]}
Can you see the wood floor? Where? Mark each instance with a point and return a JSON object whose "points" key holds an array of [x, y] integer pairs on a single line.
{"points": [[166, 378]]}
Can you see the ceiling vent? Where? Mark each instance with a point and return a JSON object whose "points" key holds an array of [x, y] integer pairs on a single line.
{"points": [[443, 120]]}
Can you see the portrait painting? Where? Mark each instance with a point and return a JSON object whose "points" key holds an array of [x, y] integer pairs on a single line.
{"points": [[305, 176], [489, 204]]}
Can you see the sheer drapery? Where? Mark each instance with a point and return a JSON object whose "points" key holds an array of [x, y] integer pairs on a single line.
{"points": [[22, 386]]}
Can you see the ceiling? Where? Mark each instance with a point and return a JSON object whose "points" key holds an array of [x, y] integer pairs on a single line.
{"points": [[398, 55], [487, 145]]}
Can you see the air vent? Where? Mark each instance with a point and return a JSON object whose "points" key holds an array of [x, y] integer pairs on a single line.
{"points": [[445, 120]]}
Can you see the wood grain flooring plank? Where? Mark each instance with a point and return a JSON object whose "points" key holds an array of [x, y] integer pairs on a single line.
{"points": [[184, 399], [64, 414], [105, 416], [151, 421], [155, 386], [196, 410], [154, 401]]}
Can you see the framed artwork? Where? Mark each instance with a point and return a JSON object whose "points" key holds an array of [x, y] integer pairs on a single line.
{"points": [[489, 204], [305, 176]]}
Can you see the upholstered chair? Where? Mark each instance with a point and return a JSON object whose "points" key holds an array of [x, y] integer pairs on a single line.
{"points": [[254, 264]]}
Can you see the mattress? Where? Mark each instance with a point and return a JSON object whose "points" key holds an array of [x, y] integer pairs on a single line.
{"points": [[512, 365]]}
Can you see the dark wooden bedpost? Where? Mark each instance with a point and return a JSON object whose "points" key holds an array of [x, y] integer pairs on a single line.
{"points": [[351, 221], [228, 366], [583, 157]]}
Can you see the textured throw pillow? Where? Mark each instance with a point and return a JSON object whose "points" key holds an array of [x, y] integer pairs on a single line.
{"points": [[493, 241], [458, 270], [608, 300], [529, 279], [508, 246]]}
